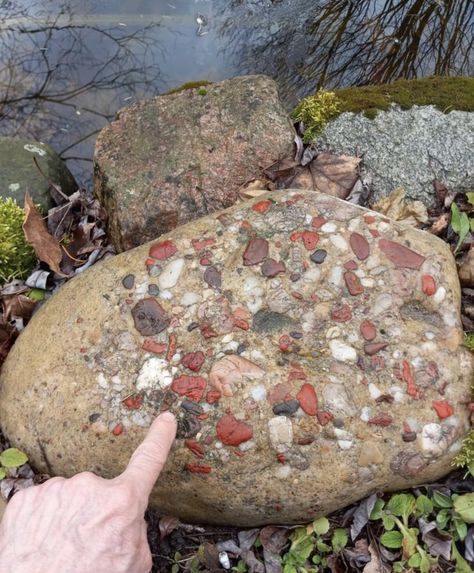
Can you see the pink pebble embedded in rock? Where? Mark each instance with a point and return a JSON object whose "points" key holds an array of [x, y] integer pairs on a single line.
{"points": [[360, 246], [401, 256], [271, 268], [310, 240], [374, 347], [163, 250], [255, 252], [354, 286], [368, 330], [428, 285]]}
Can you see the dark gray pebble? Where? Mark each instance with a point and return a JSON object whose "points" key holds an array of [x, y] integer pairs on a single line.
{"points": [[128, 281], [286, 408]]}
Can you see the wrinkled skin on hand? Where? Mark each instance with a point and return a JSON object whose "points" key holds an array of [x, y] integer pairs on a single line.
{"points": [[87, 524]]}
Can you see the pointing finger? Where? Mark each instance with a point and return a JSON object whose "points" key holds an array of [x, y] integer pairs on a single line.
{"points": [[148, 460]]}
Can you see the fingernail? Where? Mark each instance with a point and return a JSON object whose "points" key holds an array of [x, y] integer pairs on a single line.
{"points": [[167, 416]]}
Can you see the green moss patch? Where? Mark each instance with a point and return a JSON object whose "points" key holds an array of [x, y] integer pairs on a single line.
{"points": [[445, 93], [190, 86], [17, 257]]}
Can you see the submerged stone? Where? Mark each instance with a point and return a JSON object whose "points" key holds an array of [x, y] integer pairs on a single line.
{"points": [[272, 380]]}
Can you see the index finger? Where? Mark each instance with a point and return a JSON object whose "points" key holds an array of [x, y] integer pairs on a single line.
{"points": [[148, 459]]}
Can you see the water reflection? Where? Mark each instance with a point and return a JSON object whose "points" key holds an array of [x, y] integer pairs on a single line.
{"points": [[66, 67]]}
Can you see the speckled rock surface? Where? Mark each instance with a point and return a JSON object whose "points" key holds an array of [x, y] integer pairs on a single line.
{"points": [[408, 148], [19, 174], [173, 158], [311, 350]]}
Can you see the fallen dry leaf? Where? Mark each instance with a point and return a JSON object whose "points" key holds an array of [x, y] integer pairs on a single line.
{"points": [[466, 272], [375, 564], [18, 306], [334, 175], [254, 188], [46, 247], [167, 525], [440, 225], [399, 209]]}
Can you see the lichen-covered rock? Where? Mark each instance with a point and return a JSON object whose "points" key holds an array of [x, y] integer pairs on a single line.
{"points": [[173, 158], [297, 392], [408, 148], [19, 173]]}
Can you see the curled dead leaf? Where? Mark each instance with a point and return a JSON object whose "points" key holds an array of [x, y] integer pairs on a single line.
{"points": [[46, 247], [399, 209], [335, 175], [254, 188], [466, 271]]}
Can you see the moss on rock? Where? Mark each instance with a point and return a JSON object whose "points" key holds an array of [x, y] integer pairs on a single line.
{"points": [[17, 257], [444, 93], [189, 86]]}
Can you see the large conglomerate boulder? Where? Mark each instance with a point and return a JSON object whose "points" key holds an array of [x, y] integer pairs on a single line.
{"points": [[311, 350], [173, 158]]}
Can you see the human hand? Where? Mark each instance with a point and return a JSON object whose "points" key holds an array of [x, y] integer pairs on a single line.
{"points": [[87, 524]]}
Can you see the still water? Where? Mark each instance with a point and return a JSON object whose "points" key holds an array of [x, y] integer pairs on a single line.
{"points": [[66, 67]]}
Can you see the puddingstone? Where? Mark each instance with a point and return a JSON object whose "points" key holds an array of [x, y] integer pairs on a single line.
{"points": [[311, 350]]}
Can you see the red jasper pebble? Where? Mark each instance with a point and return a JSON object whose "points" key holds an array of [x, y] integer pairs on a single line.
{"points": [[324, 417], [297, 375], [207, 331], [212, 396], [281, 458], [296, 236], [261, 206], [342, 313], [255, 252], [374, 233], [271, 268], [172, 344], [232, 432], [443, 409], [150, 262], [150, 345], [284, 343], [246, 225], [205, 262], [190, 386], [401, 256], [310, 240], [407, 374], [133, 402], [163, 250], [279, 393], [297, 295], [353, 283], [198, 469], [369, 219], [377, 363], [241, 323], [308, 399], [428, 285], [318, 222], [360, 246], [118, 429], [351, 266], [374, 347], [406, 427], [368, 330], [381, 419], [195, 447], [199, 244], [193, 360]]}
